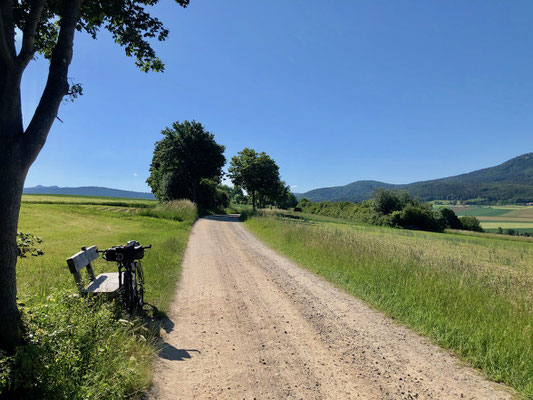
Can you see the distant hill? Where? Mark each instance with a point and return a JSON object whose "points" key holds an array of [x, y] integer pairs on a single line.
{"points": [[89, 191], [510, 182]]}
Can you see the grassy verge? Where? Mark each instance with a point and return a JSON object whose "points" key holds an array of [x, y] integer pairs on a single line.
{"points": [[470, 294], [177, 210], [76, 348]]}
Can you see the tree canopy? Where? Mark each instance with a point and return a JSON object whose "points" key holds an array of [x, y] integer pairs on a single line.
{"points": [[186, 164], [258, 174]]}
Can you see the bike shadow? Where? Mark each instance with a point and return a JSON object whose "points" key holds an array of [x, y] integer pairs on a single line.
{"points": [[169, 352], [155, 320]]}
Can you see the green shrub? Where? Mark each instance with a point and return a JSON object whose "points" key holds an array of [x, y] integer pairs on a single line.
{"points": [[469, 223], [448, 219], [386, 208], [387, 201], [416, 217], [76, 348], [27, 244]]}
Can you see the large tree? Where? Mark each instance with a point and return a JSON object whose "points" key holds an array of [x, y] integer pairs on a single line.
{"points": [[47, 28], [256, 173], [187, 163]]}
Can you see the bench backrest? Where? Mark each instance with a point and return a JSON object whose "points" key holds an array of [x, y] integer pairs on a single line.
{"points": [[82, 260]]}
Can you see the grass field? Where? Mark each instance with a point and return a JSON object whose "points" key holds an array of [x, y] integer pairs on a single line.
{"points": [[519, 218], [88, 200], [469, 293], [65, 228], [75, 349]]}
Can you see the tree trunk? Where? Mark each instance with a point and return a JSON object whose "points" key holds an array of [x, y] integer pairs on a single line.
{"points": [[18, 149], [11, 184], [14, 165], [253, 200]]}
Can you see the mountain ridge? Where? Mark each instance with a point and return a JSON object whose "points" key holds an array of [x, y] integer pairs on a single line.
{"points": [[510, 181]]}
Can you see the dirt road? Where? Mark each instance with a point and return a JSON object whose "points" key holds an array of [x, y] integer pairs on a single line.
{"points": [[247, 323]]}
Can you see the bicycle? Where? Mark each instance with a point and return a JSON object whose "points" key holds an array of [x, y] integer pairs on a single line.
{"points": [[130, 273]]}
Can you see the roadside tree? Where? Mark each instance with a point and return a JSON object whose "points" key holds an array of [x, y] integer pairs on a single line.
{"points": [[47, 28], [256, 173], [184, 161]]}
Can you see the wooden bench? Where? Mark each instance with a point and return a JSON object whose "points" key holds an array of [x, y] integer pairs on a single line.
{"points": [[107, 283]]}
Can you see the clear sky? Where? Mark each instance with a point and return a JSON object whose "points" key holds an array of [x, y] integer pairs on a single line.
{"points": [[334, 91]]}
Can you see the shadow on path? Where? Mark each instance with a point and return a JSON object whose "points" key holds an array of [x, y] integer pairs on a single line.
{"points": [[223, 217], [169, 352]]}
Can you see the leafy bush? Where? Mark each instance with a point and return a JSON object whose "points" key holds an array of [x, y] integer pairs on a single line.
{"points": [[388, 208], [416, 217], [178, 210], [470, 223], [76, 348], [26, 243], [448, 219], [387, 201], [303, 202]]}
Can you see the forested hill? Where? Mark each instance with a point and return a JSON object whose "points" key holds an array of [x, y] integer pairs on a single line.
{"points": [[88, 191], [510, 182]]}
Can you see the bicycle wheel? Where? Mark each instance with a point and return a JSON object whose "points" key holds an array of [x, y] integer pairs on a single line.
{"points": [[129, 291], [141, 296], [139, 284]]}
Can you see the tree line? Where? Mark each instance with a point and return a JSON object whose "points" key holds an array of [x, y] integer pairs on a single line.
{"points": [[188, 164], [395, 209]]}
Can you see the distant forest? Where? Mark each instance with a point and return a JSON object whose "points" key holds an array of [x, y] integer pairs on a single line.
{"points": [[475, 193], [507, 183]]}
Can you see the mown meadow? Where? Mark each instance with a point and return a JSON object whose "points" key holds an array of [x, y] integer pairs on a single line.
{"points": [[84, 349], [471, 293]]}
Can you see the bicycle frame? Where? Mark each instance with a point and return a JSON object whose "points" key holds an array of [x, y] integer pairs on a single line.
{"points": [[130, 273]]}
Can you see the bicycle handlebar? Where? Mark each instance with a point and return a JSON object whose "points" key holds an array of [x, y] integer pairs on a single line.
{"points": [[129, 252], [103, 251]]}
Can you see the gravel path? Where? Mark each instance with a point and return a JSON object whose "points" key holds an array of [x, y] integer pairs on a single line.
{"points": [[248, 323]]}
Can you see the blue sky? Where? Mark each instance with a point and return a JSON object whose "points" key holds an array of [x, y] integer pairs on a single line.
{"points": [[334, 91]]}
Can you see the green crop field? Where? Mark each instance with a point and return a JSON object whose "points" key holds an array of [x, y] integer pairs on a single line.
{"points": [[519, 218], [482, 211], [471, 293], [78, 349]]}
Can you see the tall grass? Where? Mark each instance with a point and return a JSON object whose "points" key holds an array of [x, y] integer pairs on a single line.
{"points": [[178, 210], [77, 349], [470, 294]]}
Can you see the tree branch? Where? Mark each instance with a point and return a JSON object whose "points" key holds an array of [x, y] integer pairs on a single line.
{"points": [[57, 83], [28, 40], [7, 31]]}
